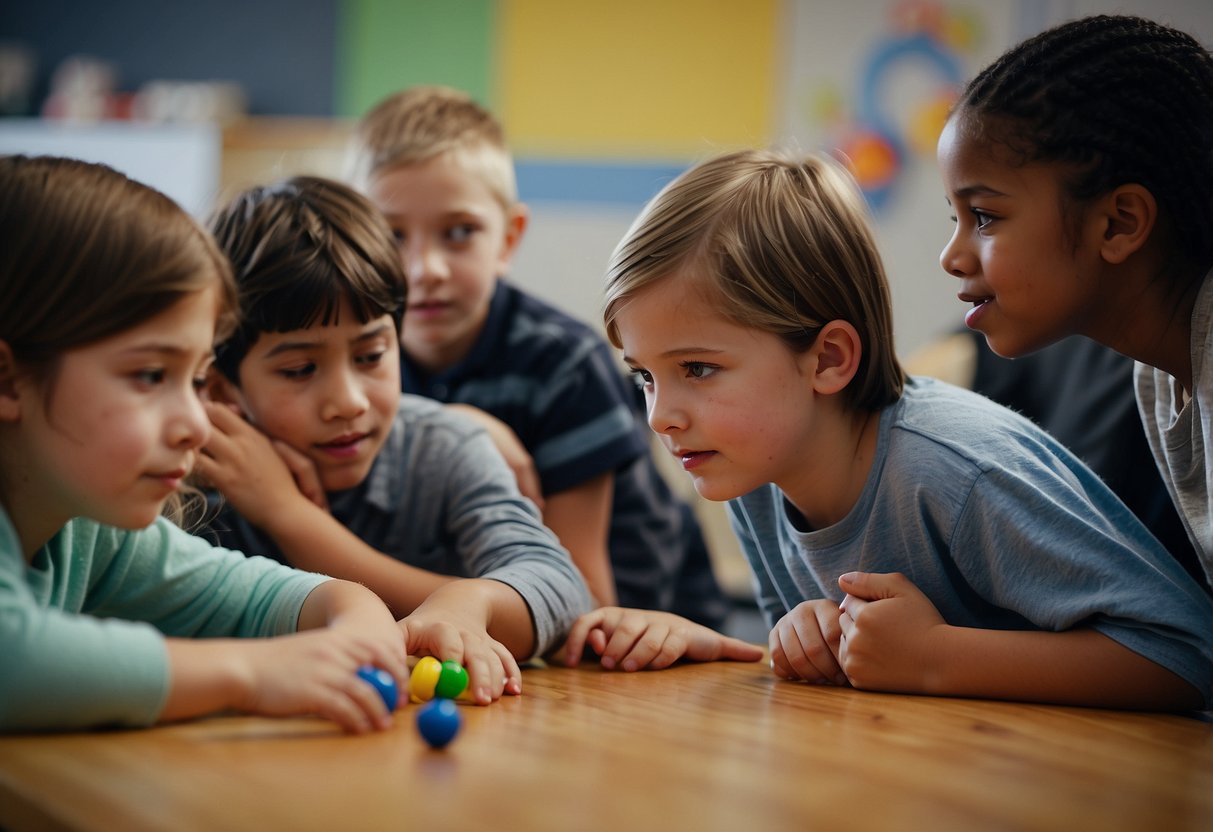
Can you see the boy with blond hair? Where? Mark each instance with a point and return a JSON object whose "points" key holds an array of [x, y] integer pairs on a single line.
{"points": [[437, 165]]}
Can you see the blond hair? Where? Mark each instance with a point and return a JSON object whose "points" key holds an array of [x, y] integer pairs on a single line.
{"points": [[421, 123], [783, 242]]}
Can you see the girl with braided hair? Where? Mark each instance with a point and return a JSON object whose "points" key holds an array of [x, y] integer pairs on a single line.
{"points": [[1079, 167]]}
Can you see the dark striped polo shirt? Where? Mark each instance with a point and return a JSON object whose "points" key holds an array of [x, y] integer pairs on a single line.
{"points": [[557, 384]]}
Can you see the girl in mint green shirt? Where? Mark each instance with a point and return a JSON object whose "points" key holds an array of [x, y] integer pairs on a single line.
{"points": [[109, 613]]}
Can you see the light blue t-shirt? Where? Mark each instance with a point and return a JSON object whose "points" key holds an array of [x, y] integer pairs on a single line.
{"points": [[995, 522], [82, 627]]}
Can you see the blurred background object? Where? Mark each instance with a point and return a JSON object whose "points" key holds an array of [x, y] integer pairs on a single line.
{"points": [[16, 79]]}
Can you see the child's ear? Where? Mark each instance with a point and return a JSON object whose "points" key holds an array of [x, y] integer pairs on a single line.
{"points": [[516, 221], [219, 390], [1128, 215], [834, 357], [10, 400]]}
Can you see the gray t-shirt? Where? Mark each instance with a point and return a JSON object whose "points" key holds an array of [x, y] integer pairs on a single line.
{"points": [[995, 522], [440, 497], [1179, 431]]}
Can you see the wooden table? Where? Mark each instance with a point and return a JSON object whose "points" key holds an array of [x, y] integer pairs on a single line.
{"points": [[703, 747]]}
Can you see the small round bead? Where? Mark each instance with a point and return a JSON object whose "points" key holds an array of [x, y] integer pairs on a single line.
{"points": [[432, 679], [382, 681], [438, 722]]}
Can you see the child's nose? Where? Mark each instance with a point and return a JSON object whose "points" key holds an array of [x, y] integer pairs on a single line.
{"points": [[664, 415], [190, 428], [344, 398], [955, 258], [423, 261]]}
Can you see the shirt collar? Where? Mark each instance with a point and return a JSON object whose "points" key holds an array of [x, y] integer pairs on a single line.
{"points": [[486, 348]]}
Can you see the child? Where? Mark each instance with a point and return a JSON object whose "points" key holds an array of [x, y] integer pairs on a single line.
{"points": [[904, 534], [110, 614], [436, 164], [415, 496], [1079, 170]]}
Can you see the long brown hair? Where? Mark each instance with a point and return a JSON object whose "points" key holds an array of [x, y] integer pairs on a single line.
{"points": [[89, 253]]}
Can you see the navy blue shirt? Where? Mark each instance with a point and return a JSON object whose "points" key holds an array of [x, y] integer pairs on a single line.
{"points": [[556, 383]]}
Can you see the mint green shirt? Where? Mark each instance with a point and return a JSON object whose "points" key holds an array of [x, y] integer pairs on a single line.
{"points": [[82, 628]]}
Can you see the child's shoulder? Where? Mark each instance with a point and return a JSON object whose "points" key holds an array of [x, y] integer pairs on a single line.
{"points": [[535, 319], [941, 420], [933, 405], [417, 413]]}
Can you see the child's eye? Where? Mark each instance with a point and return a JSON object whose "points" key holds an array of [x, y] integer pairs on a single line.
{"points": [[697, 369], [150, 376], [983, 219], [398, 236], [369, 359], [296, 373], [641, 377], [461, 233]]}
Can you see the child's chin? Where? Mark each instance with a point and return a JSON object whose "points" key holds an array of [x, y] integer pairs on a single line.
{"points": [[342, 481], [133, 521], [716, 494]]}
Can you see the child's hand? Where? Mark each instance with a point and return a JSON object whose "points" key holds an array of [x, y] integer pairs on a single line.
{"points": [[888, 629], [446, 632], [307, 479], [805, 643], [634, 639], [243, 464], [316, 672]]}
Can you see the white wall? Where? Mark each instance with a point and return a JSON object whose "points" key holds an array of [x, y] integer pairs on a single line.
{"points": [[182, 160]]}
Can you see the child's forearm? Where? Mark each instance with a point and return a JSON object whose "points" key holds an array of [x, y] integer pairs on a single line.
{"points": [[207, 676], [581, 518], [1075, 667], [312, 539]]}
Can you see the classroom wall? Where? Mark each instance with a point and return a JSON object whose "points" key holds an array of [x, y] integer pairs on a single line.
{"points": [[606, 102]]}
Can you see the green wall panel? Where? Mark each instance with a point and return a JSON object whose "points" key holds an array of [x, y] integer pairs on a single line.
{"points": [[386, 45]]}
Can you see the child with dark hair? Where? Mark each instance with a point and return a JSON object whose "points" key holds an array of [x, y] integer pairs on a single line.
{"points": [[109, 613], [1079, 168], [325, 464]]}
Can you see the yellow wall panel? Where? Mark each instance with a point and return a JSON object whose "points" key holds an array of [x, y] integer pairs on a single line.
{"points": [[650, 78]]}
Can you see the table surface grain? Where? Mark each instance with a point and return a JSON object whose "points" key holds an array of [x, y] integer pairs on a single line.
{"points": [[716, 746]]}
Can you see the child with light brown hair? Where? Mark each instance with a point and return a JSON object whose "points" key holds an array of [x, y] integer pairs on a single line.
{"points": [[903, 534], [109, 613]]}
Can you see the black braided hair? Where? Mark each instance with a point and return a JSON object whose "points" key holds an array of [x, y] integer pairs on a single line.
{"points": [[1120, 99]]}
